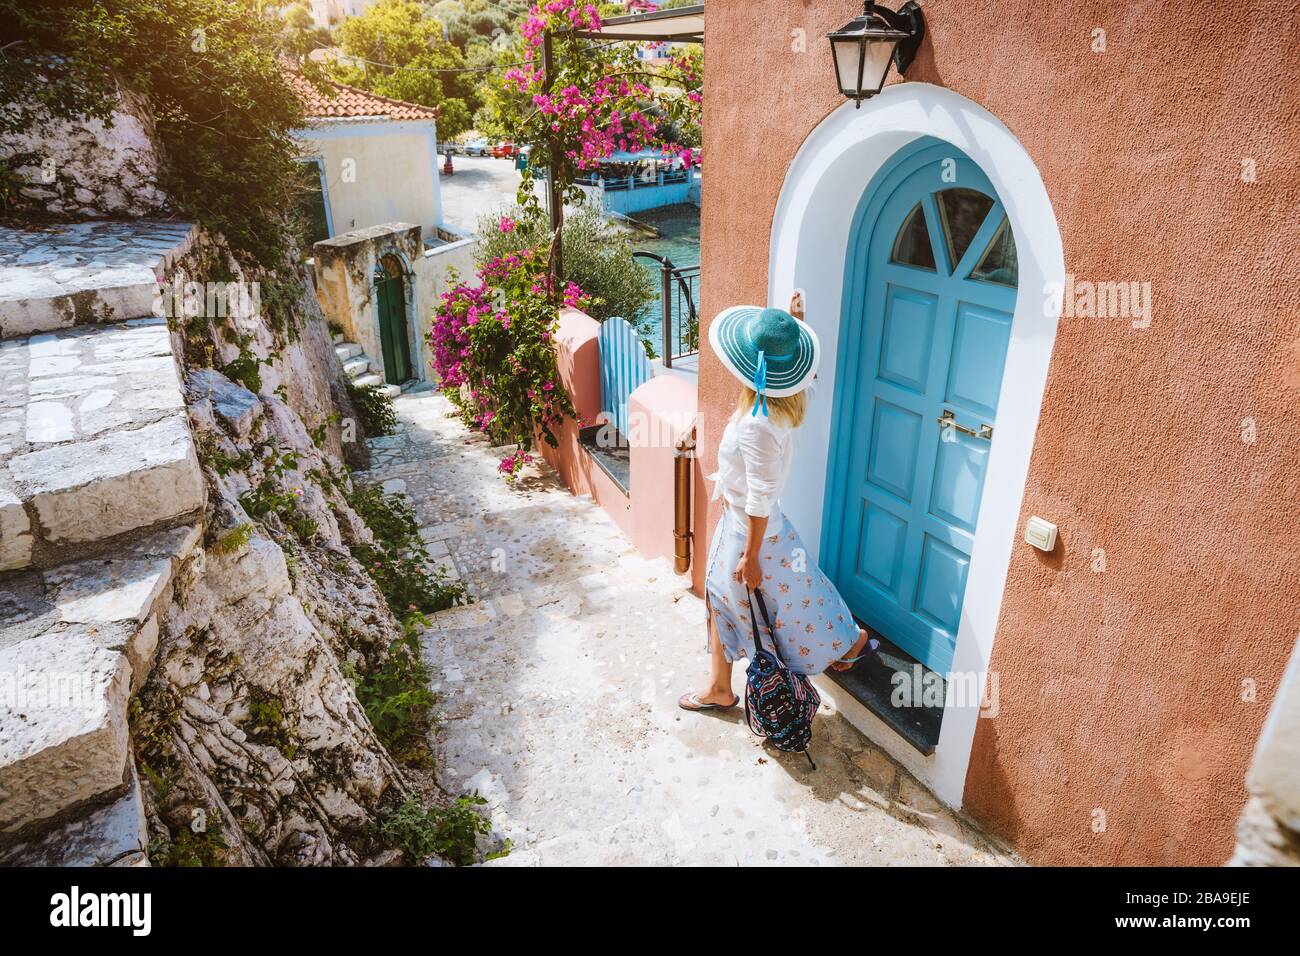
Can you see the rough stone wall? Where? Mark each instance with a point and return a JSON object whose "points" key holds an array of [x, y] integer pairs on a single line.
{"points": [[248, 719], [248, 744], [89, 169]]}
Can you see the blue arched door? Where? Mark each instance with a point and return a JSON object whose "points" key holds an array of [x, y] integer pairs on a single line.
{"points": [[930, 291]]}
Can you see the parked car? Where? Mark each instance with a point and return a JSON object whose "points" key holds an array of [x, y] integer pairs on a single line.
{"points": [[505, 151], [477, 147]]}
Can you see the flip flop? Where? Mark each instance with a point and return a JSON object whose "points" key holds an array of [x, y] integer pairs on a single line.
{"points": [[872, 645], [692, 701]]}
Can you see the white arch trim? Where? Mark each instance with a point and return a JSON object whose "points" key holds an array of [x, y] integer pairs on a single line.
{"points": [[810, 236]]}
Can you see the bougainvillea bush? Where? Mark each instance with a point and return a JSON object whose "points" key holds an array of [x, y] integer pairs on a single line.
{"points": [[600, 98], [493, 339], [493, 349]]}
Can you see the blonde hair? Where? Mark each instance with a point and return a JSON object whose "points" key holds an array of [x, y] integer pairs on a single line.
{"points": [[788, 410]]}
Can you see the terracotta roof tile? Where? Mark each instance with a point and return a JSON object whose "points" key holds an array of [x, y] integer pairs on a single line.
{"points": [[348, 102]]}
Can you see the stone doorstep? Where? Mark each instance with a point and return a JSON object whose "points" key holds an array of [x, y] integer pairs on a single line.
{"points": [[63, 736], [101, 444], [132, 293]]}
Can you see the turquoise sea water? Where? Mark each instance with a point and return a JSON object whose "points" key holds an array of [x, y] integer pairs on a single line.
{"points": [[679, 240]]}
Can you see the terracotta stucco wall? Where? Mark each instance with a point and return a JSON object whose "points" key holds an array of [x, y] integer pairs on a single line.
{"points": [[1120, 688]]}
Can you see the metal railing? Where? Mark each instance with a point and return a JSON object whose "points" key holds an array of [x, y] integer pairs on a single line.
{"points": [[610, 184], [678, 293]]}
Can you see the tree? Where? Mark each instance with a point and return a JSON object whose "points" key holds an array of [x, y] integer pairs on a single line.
{"points": [[299, 17], [211, 73], [394, 50]]}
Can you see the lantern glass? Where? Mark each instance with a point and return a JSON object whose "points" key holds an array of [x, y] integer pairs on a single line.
{"points": [[861, 64]]}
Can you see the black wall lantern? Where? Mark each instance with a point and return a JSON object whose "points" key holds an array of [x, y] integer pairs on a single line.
{"points": [[865, 46]]}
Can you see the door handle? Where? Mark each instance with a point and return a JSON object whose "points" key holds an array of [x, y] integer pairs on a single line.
{"points": [[948, 420]]}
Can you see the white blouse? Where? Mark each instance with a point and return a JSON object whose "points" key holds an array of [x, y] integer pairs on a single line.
{"points": [[754, 460]]}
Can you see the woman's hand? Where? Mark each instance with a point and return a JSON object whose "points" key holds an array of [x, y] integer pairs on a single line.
{"points": [[748, 571], [797, 304]]}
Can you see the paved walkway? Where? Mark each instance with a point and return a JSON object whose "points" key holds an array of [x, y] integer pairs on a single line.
{"points": [[558, 690], [480, 185]]}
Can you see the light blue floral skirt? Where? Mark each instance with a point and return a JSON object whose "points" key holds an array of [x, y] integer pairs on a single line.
{"points": [[813, 624]]}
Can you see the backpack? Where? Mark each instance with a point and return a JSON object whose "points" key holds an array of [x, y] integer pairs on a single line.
{"points": [[779, 705]]}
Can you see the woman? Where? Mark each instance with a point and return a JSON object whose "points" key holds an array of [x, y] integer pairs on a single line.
{"points": [[774, 355]]}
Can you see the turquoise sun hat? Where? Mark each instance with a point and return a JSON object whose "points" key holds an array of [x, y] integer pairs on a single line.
{"points": [[767, 349]]}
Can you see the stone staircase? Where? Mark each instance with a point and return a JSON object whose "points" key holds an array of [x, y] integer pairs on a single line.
{"points": [[360, 368], [101, 499]]}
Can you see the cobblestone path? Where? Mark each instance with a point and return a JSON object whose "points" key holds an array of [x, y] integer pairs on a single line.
{"points": [[558, 687]]}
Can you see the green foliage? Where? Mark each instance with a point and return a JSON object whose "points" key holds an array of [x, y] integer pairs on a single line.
{"points": [[233, 540], [210, 72], [210, 454], [268, 497], [398, 561], [321, 429], [190, 849], [378, 416], [246, 367], [406, 50], [450, 832], [279, 305], [266, 723], [396, 695], [397, 699], [597, 256], [390, 519], [503, 108]]}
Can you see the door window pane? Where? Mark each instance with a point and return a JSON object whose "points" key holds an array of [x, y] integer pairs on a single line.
{"points": [[912, 245], [999, 262], [962, 211]]}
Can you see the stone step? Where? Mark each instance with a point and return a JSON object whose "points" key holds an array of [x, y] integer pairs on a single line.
{"points": [[390, 391], [79, 639], [356, 366], [81, 273], [114, 834], [347, 350], [337, 339], [95, 442], [363, 380]]}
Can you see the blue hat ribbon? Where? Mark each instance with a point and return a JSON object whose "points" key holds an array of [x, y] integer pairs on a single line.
{"points": [[760, 379]]}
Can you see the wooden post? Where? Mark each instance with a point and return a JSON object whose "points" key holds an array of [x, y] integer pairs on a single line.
{"points": [[554, 199]]}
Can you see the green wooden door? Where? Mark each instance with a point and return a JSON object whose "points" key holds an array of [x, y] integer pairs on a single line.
{"points": [[391, 293]]}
